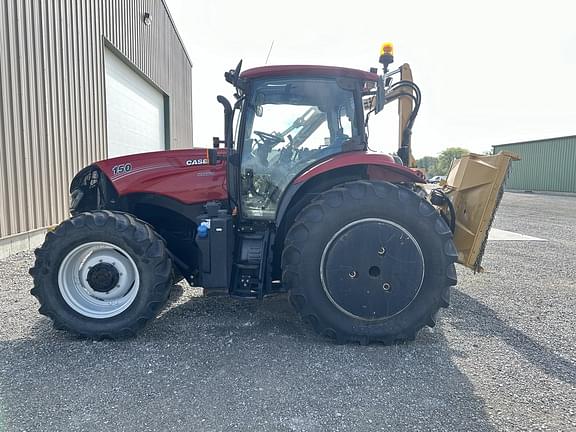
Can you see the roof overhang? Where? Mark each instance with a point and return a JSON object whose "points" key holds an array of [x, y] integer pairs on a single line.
{"points": [[308, 70]]}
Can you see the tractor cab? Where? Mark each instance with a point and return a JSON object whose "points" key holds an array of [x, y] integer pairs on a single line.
{"points": [[291, 118]]}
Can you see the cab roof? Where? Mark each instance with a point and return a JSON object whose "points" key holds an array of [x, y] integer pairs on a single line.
{"points": [[307, 70]]}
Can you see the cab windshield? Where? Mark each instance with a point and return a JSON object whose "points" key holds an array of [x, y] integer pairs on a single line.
{"points": [[291, 124]]}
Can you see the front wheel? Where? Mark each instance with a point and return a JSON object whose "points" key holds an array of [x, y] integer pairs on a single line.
{"points": [[102, 275], [369, 261]]}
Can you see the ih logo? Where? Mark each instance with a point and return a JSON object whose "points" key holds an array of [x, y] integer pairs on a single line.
{"points": [[191, 162]]}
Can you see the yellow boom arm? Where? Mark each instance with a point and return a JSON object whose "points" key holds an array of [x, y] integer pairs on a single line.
{"points": [[405, 107]]}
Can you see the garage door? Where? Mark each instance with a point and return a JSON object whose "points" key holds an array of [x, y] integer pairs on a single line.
{"points": [[134, 110]]}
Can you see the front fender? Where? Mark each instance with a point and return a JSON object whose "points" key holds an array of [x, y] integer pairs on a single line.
{"points": [[90, 189]]}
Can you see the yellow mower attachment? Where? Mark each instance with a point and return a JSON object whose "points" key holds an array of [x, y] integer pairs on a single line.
{"points": [[475, 186]]}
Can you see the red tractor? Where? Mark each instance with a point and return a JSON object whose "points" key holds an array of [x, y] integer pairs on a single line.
{"points": [[295, 202]]}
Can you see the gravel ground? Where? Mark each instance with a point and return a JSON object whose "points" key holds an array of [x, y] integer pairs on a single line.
{"points": [[503, 357]]}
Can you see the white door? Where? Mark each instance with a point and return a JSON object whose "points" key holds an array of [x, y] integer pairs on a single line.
{"points": [[134, 110]]}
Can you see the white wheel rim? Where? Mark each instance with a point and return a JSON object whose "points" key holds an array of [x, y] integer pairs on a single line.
{"points": [[81, 297]]}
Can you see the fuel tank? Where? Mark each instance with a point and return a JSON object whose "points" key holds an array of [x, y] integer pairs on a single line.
{"points": [[183, 175]]}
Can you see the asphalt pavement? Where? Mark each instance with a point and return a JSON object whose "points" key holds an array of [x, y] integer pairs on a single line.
{"points": [[502, 357]]}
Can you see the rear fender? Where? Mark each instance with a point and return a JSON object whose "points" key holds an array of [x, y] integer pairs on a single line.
{"points": [[321, 178], [381, 167], [332, 172]]}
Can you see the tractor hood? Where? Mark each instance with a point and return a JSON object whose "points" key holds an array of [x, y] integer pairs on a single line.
{"points": [[184, 175]]}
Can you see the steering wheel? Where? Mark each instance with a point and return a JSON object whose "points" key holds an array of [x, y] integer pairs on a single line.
{"points": [[269, 139]]}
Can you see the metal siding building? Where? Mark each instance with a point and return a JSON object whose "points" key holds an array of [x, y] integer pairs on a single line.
{"points": [[53, 97], [546, 165]]}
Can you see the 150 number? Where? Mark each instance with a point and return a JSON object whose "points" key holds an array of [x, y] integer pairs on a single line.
{"points": [[121, 169]]}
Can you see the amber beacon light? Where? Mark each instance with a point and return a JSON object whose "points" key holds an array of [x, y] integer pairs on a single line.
{"points": [[386, 53]]}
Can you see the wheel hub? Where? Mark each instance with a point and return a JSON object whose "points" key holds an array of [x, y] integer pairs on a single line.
{"points": [[372, 269], [103, 277], [98, 279]]}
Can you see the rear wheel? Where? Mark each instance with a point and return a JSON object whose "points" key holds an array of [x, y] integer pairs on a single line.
{"points": [[102, 275], [369, 261]]}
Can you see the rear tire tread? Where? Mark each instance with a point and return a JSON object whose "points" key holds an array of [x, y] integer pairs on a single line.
{"points": [[311, 217]]}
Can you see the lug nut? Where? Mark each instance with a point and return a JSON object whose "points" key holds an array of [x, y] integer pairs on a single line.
{"points": [[353, 274], [386, 286], [382, 250]]}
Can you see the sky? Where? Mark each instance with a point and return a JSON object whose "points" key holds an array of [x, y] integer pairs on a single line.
{"points": [[491, 72]]}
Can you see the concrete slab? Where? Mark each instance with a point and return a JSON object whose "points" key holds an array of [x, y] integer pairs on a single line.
{"points": [[501, 235], [21, 242]]}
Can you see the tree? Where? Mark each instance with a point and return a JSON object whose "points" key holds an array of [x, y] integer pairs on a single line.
{"points": [[446, 157], [427, 163]]}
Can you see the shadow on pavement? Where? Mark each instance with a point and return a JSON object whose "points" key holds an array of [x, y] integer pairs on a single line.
{"points": [[221, 364], [487, 323]]}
